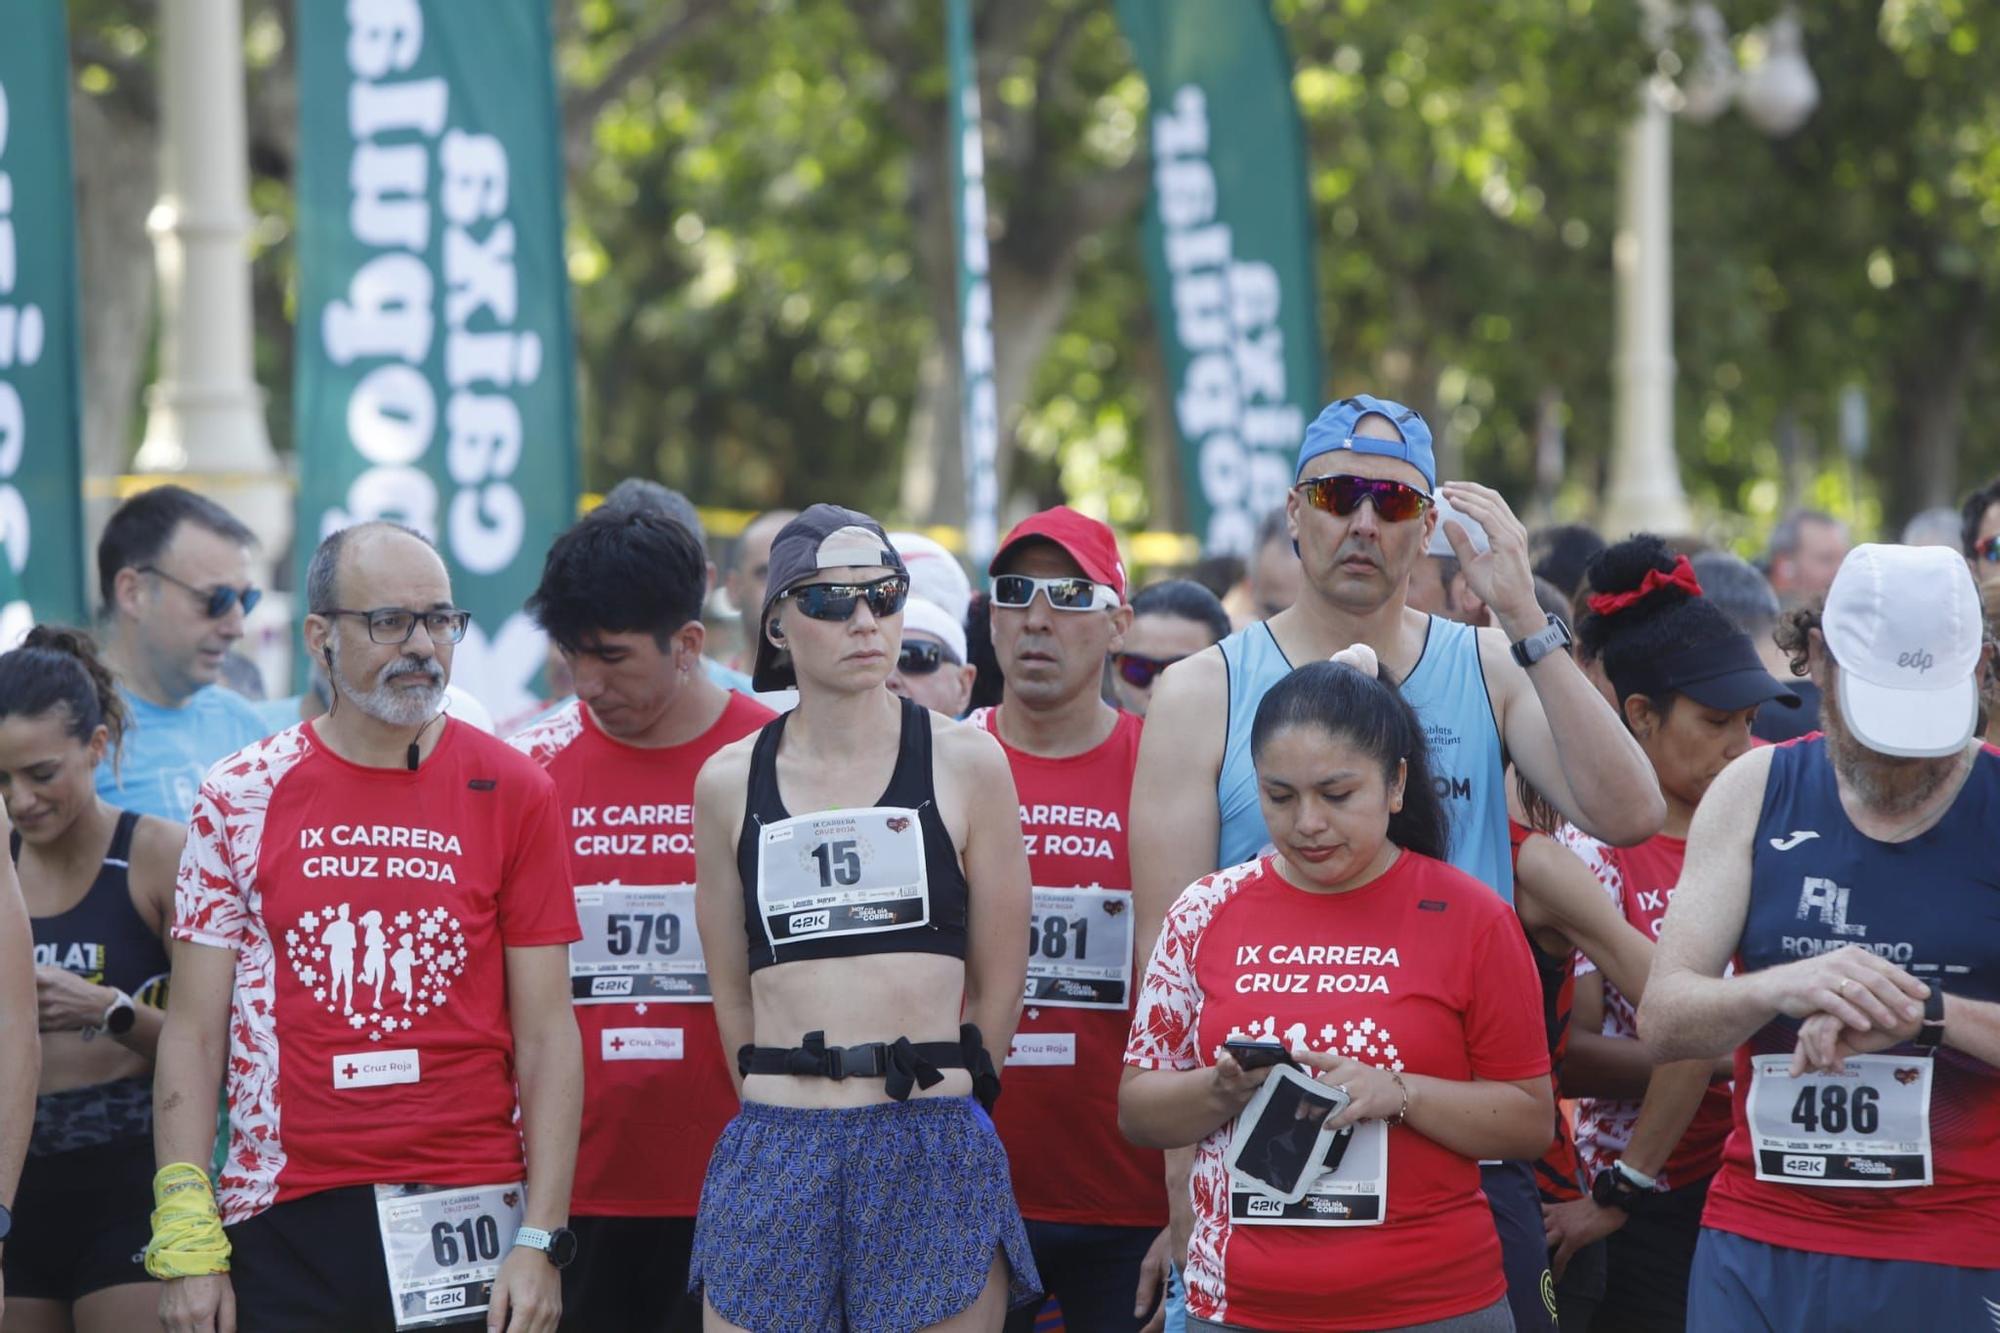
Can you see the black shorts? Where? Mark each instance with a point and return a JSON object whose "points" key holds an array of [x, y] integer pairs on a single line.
{"points": [[1524, 1247], [315, 1265], [630, 1276], [81, 1222]]}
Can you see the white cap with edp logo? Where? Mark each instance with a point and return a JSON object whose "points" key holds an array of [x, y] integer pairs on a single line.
{"points": [[1904, 626]]}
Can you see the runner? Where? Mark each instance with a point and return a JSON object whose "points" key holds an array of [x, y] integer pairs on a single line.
{"points": [[1361, 512], [99, 887], [621, 595], [1396, 980], [173, 569], [1172, 619], [1688, 685], [749, 563], [1851, 877], [1094, 1204], [20, 1050], [380, 1111], [834, 1200]]}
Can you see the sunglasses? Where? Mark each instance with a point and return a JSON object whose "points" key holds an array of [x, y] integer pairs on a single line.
{"points": [[836, 601], [1342, 495], [1139, 671], [1989, 550], [1016, 591], [919, 658], [217, 600]]}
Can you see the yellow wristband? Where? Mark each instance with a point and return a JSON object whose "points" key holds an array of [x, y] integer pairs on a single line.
{"points": [[188, 1240]]}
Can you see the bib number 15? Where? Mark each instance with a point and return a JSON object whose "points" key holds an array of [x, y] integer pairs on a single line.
{"points": [[839, 862], [1833, 1109]]}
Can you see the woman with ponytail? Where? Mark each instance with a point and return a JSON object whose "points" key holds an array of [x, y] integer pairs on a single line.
{"points": [[1688, 684], [1356, 952], [99, 887]]}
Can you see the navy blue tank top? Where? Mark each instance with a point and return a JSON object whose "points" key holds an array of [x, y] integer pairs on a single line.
{"points": [[911, 788]]}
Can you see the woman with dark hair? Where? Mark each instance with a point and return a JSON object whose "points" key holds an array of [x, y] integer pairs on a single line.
{"points": [[99, 887], [1388, 975], [867, 955], [1688, 684], [1170, 620]]}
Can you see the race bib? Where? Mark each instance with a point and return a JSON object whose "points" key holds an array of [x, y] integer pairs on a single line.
{"points": [[1868, 1127], [841, 872], [639, 944], [1354, 1194], [443, 1246], [1080, 949]]}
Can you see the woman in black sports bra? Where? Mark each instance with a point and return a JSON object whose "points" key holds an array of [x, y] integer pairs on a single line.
{"points": [[863, 900], [99, 887]]}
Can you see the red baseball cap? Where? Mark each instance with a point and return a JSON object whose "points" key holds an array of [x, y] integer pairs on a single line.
{"points": [[1085, 540]]}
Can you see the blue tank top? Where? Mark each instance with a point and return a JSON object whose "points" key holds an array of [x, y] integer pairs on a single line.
{"points": [[1448, 691]]}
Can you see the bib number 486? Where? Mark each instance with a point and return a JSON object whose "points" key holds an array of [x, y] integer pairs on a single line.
{"points": [[474, 1240], [1834, 1109]]}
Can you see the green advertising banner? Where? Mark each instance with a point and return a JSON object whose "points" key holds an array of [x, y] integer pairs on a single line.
{"points": [[41, 416], [1229, 251], [979, 417], [434, 356]]}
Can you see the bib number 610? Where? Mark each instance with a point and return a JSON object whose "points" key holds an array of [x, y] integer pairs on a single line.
{"points": [[1832, 1108], [475, 1240]]}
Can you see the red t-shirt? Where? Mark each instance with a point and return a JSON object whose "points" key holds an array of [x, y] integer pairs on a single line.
{"points": [[370, 910], [1641, 881], [1059, 1119], [657, 1090], [1423, 971]]}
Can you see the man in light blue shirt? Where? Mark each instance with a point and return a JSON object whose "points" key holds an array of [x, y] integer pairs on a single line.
{"points": [[173, 569]]}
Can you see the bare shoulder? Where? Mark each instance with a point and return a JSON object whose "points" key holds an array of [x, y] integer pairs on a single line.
{"points": [[156, 847], [726, 773], [964, 746], [1734, 802], [1189, 712]]}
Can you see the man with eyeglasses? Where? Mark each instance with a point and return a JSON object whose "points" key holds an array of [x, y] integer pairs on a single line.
{"points": [[621, 597], [1362, 510], [1094, 1204], [173, 570], [400, 1144]]}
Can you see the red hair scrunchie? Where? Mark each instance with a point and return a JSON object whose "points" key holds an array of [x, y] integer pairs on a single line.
{"points": [[1680, 576]]}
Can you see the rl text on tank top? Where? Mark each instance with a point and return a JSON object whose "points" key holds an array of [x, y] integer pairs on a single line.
{"points": [[1931, 905], [911, 787], [1448, 691], [104, 940]]}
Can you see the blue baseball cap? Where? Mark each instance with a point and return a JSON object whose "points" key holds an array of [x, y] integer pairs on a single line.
{"points": [[1333, 430]]}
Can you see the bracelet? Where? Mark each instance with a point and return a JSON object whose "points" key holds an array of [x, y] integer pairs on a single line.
{"points": [[1404, 1113]]}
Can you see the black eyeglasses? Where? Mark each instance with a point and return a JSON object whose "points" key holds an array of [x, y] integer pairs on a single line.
{"points": [[1341, 495], [920, 658], [393, 625], [217, 600], [1989, 550], [1016, 591], [1140, 671], [836, 601]]}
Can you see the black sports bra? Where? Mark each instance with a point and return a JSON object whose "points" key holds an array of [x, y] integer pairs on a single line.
{"points": [[852, 882]]}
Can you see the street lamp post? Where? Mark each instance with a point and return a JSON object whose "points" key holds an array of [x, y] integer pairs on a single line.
{"points": [[1776, 95]]}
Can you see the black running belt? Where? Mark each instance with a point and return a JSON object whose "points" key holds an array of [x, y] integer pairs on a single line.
{"points": [[902, 1064]]}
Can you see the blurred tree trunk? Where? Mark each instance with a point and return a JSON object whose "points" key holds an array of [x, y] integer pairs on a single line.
{"points": [[1927, 416]]}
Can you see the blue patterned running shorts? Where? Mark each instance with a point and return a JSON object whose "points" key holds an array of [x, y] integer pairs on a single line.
{"points": [[878, 1219]]}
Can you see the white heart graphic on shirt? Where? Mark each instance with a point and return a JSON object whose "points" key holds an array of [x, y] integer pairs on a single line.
{"points": [[379, 977]]}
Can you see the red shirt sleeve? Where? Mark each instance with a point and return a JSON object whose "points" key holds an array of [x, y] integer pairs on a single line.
{"points": [[1504, 1036], [538, 897], [209, 906], [1169, 1004]]}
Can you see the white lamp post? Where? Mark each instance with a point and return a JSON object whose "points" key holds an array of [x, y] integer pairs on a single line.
{"points": [[1776, 94]]}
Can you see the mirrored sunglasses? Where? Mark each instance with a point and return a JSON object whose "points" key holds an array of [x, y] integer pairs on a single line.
{"points": [[1341, 495], [1140, 671], [836, 601], [919, 658], [1016, 591]]}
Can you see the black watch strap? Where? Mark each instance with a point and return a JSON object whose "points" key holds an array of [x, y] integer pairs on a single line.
{"points": [[1547, 640], [1930, 1034], [1612, 1190]]}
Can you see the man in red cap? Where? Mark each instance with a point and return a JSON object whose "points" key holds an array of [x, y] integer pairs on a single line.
{"points": [[1095, 1205]]}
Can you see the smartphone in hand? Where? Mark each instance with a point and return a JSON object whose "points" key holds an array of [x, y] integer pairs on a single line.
{"points": [[1259, 1054]]}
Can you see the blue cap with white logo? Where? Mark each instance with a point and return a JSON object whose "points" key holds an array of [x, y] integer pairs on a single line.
{"points": [[1333, 430]]}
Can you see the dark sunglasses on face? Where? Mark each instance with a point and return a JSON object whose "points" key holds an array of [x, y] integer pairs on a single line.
{"points": [[1139, 671], [922, 659], [1342, 495], [1016, 591], [217, 600], [1989, 550], [836, 601]]}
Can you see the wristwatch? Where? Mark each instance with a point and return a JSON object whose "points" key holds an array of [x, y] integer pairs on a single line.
{"points": [[558, 1246], [1535, 647], [119, 1016], [1930, 1034], [1619, 1186]]}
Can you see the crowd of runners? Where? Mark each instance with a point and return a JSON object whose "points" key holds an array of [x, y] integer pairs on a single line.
{"points": [[1429, 925]]}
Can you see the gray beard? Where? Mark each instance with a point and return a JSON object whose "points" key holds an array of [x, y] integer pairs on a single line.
{"points": [[1891, 786], [394, 705]]}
